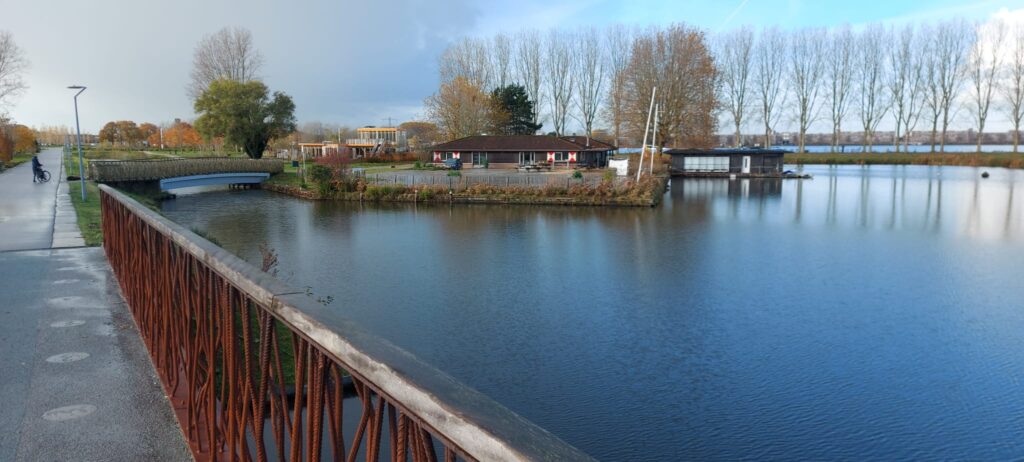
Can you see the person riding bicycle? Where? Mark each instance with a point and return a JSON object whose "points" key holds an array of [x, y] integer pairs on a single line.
{"points": [[37, 168]]}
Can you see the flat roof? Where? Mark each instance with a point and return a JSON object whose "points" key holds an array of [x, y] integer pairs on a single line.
{"points": [[527, 143], [377, 129], [724, 152]]}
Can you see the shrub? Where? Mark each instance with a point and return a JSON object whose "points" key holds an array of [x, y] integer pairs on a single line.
{"points": [[454, 173], [577, 175]]}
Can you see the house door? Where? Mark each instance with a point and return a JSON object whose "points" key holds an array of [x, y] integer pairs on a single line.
{"points": [[746, 164], [526, 158]]}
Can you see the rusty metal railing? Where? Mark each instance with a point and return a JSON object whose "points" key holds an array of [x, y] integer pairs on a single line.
{"points": [[256, 370]]}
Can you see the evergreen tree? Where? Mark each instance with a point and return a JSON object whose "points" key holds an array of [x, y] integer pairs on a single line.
{"points": [[515, 110]]}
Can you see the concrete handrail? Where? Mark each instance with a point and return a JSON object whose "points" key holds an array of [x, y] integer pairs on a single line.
{"points": [[472, 423]]}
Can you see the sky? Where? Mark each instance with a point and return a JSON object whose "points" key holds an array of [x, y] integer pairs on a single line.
{"points": [[345, 62]]}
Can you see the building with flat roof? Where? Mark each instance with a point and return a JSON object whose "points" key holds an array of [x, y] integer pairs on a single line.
{"points": [[726, 162], [370, 141], [511, 151]]}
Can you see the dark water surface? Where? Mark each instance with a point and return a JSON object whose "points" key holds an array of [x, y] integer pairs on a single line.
{"points": [[869, 313]]}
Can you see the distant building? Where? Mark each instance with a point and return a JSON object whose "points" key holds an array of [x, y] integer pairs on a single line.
{"points": [[726, 162], [511, 151], [372, 141], [310, 150]]}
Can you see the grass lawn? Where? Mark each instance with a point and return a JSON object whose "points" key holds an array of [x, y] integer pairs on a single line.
{"points": [[19, 159], [290, 178], [88, 212]]}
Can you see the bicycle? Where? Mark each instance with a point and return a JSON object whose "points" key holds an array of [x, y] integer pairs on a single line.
{"points": [[42, 176]]}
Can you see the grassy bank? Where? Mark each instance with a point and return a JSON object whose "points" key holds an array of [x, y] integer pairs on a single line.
{"points": [[646, 193], [18, 159], [984, 159], [88, 212]]}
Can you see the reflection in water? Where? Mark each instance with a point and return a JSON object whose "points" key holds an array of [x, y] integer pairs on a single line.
{"points": [[870, 311]]}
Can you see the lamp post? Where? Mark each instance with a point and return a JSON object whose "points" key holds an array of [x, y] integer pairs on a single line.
{"points": [[78, 137]]}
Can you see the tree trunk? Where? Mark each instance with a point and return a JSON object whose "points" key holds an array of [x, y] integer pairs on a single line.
{"points": [[935, 129]]}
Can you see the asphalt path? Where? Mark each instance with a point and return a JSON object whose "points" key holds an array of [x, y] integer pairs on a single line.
{"points": [[27, 209]]}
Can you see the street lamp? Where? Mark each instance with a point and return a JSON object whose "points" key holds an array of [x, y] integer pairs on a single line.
{"points": [[78, 137]]}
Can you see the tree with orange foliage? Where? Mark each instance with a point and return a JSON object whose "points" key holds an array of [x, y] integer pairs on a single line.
{"points": [[121, 132], [150, 134], [182, 135], [6, 142], [677, 61], [24, 140]]}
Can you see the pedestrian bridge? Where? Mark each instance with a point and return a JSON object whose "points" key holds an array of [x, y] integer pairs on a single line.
{"points": [[167, 184], [182, 173]]}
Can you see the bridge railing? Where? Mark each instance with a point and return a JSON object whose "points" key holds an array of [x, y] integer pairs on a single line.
{"points": [[113, 171], [258, 370]]}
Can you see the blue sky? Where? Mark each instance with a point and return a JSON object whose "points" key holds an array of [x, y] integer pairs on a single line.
{"points": [[348, 62]]}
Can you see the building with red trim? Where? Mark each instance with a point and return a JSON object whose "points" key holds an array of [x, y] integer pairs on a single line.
{"points": [[511, 151]]}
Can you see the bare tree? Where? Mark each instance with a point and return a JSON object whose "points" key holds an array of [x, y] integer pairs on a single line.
{"points": [[467, 58], [903, 81], [618, 43], [1013, 90], [871, 80], [806, 69], [915, 93], [560, 72], [590, 76], [676, 60], [932, 84], [500, 55], [770, 63], [227, 54], [528, 67], [734, 57], [952, 42], [839, 76], [12, 64], [983, 69]]}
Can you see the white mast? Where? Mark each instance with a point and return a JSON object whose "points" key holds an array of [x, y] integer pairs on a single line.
{"points": [[647, 128], [654, 141]]}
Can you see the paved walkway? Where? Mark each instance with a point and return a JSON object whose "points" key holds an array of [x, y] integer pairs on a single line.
{"points": [[27, 208], [75, 378]]}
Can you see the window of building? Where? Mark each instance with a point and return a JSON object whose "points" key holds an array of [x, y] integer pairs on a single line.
{"points": [[447, 155], [479, 157], [561, 156], [706, 164]]}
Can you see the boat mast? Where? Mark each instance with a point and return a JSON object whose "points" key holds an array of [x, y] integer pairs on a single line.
{"points": [[654, 141], [647, 128]]}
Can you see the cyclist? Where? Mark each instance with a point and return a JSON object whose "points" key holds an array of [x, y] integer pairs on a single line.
{"points": [[37, 168]]}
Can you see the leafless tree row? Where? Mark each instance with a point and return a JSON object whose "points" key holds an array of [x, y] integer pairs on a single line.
{"points": [[939, 74], [588, 74]]}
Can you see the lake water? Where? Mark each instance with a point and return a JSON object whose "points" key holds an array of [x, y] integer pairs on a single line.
{"points": [[870, 313], [880, 148]]}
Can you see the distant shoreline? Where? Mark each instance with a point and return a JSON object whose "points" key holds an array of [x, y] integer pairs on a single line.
{"points": [[963, 159]]}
